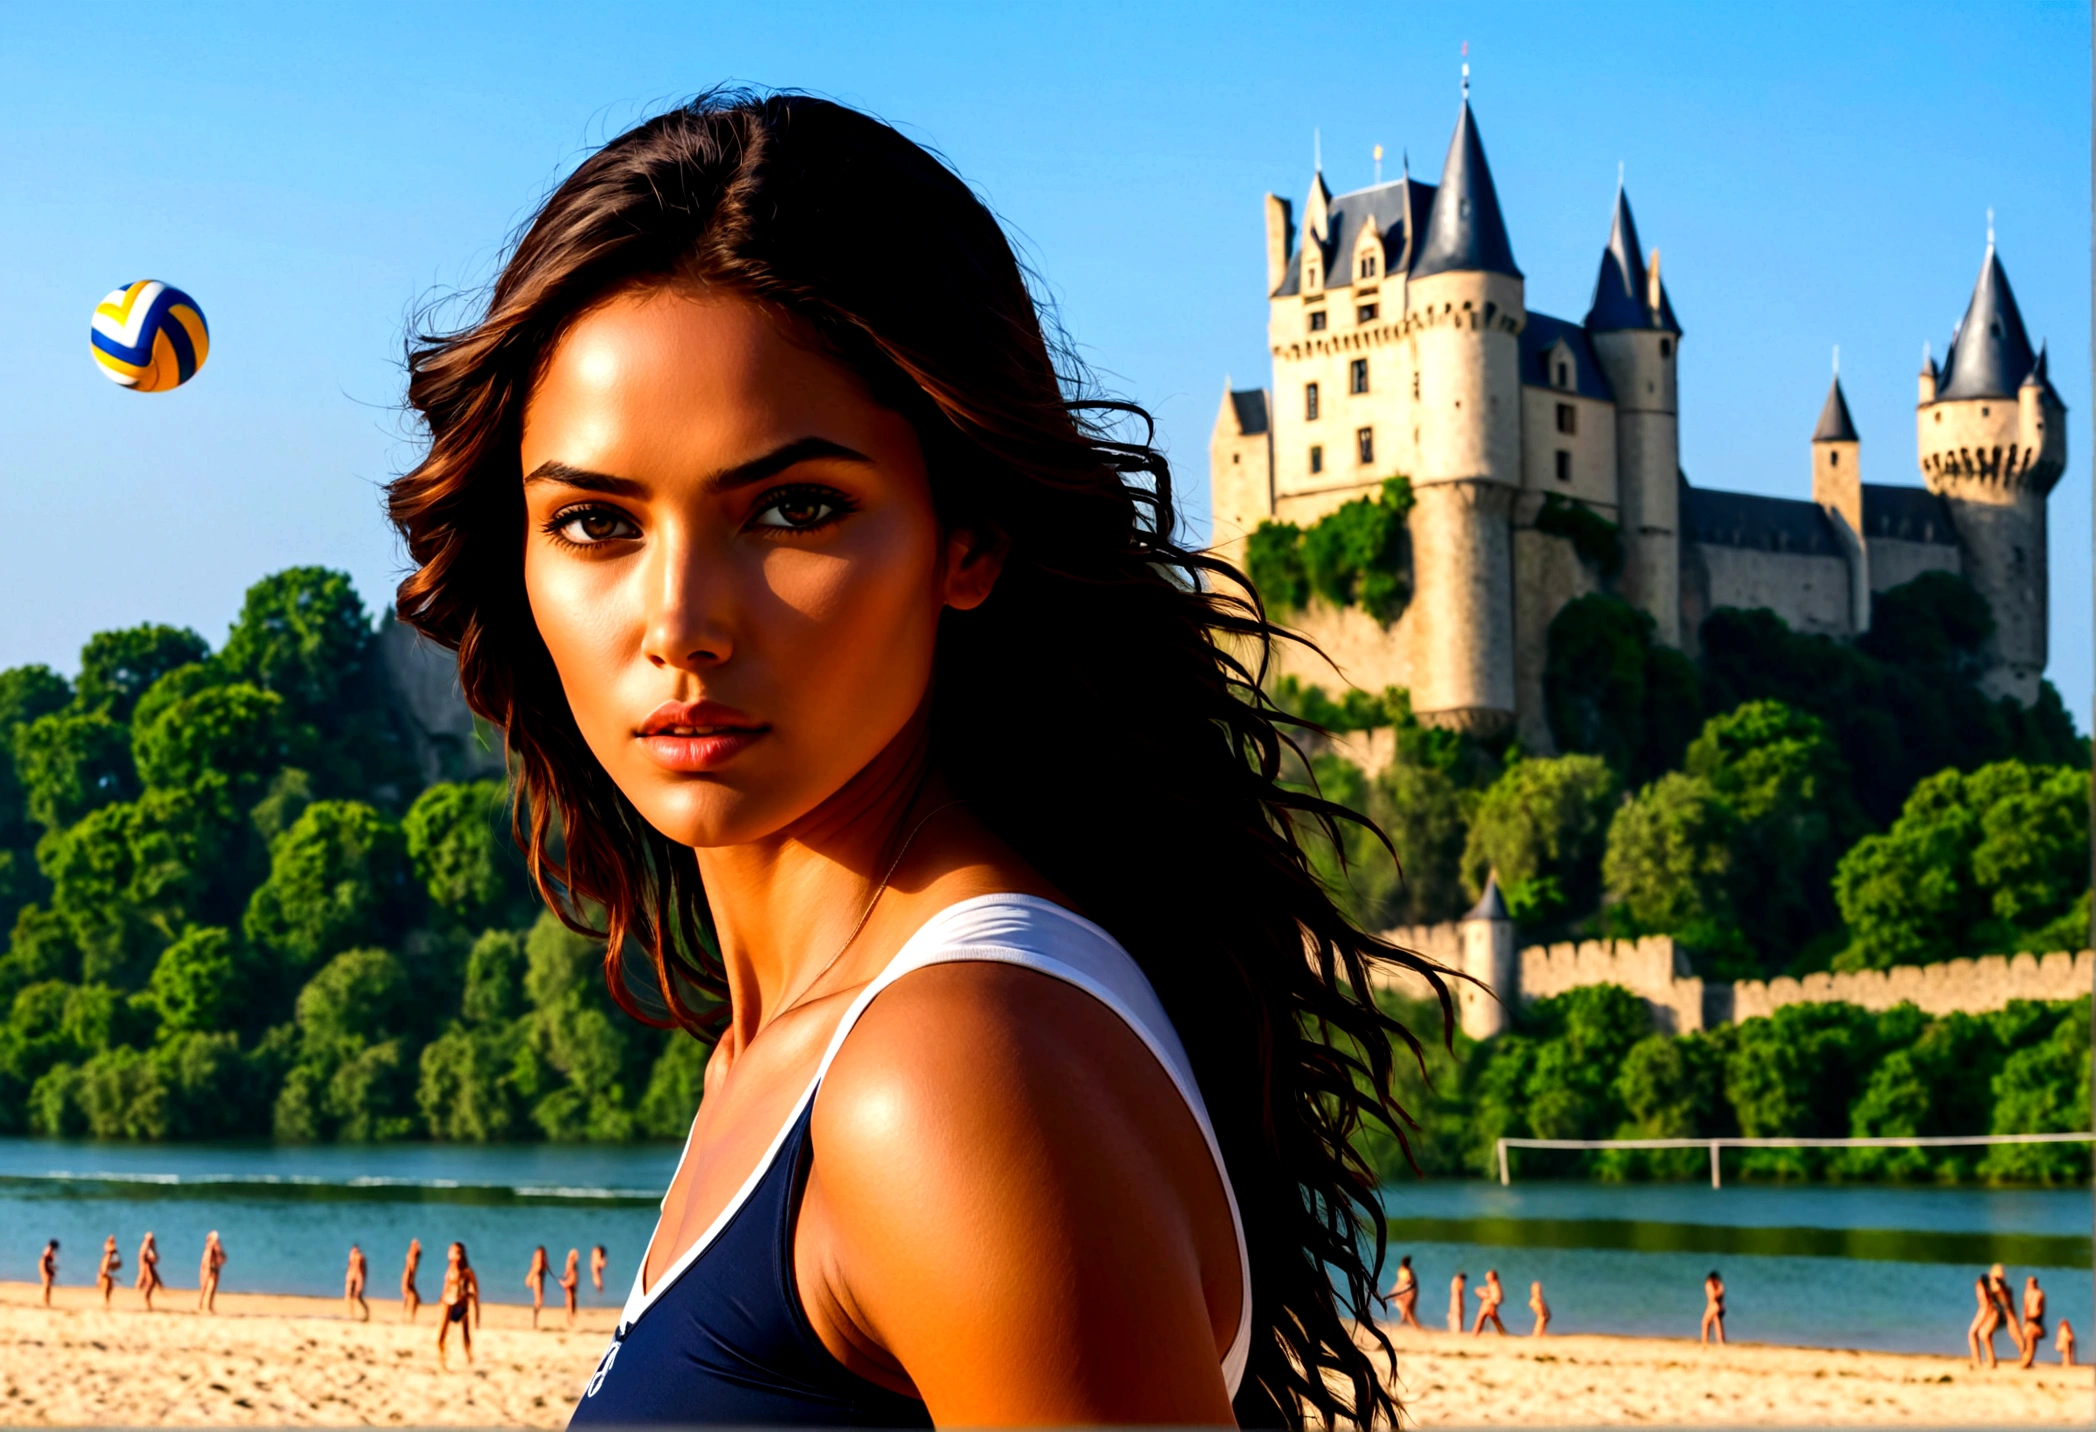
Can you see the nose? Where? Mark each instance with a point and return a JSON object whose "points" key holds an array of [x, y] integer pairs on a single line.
{"points": [[690, 605]]}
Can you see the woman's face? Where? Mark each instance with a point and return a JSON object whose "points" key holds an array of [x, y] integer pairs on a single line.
{"points": [[731, 554]]}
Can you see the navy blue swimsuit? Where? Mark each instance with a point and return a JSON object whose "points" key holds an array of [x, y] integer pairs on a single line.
{"points": [[728, 1341]]}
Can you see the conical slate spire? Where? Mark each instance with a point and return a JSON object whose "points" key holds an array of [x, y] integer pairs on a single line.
{"points": [[1834, 424], [1491, 905], [1623, 289], [1990, 353], [1465, 232]]}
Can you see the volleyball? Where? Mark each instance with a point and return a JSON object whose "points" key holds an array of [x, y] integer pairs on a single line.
{"points": [[150, 337]]}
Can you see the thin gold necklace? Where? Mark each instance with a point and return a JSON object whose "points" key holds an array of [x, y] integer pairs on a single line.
{"points": [[867, 913]]}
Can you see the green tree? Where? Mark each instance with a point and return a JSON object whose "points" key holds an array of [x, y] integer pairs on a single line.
{"points": [[1543, 826], [494, 993], [1668, 867], [1794, 1074], [2043, 1088], [338, 877], [675, 1086], [26, 693], [197, 982], [72, 762], [354, 1078], [302, 633], [461, 852], [222, 743], [467, 1088], [576, 1033], [117, 667], [1610, 690], [130, 878]]}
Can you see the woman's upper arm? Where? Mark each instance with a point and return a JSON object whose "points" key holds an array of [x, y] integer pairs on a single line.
{"points": [[1007, 1201]]}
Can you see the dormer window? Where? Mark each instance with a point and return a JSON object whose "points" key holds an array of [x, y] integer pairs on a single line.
{"points": [[1564, 375], [1367, 267]]}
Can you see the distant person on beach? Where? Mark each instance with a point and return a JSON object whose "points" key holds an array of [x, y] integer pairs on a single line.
{"points": [[2065, 1343], [598, 1259], [1489, 1298], [570, 1280], [1406, 1294], [2033, 1320], [47, 1268], [106, 1270], [1713, 1308], [2007, 1319], [1456, 1285], [535, 1283], [207, 1273], [1986, 1321], [461, 1291], [410, 1295], [353, 1285], [1540, 1308], [148, 1281]]}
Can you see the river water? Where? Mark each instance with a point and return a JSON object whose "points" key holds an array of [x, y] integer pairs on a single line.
{"points": [[1836, 1266]]}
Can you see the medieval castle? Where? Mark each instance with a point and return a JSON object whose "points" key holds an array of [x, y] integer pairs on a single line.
{"points": [[1403, 343]]}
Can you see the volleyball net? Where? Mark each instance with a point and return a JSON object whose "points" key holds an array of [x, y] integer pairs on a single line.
{"points": [[1918, 1141]]}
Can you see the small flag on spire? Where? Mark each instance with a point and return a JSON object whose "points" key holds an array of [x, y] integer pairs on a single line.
{"points": [[1379, 163], [1466, 69]]}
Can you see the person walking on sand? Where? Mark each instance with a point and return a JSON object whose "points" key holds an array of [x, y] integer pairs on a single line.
{"points": [[148, 1281], [1406, 1294], [2006, 1317], [1540, 1308], [2065, 1343], [106, 1270], [598, 1260], [461, 1292], [1489, 1298], [1713, 1308], [535, 1283], [570, 1280], [1456, 1285], [1986, 1320], [47, 1268], [353, 1278], [207, 1273], [2033, 1320], [410, 1295]]}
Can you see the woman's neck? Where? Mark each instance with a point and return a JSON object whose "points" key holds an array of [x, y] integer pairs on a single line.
{"points": [[784, 907]]}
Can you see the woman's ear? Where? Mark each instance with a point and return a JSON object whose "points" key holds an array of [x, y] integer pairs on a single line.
{"points": [[974, 560]]}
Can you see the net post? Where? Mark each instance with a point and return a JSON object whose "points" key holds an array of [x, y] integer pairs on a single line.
{"points": [[1503, 1180], [1715, 1180]]}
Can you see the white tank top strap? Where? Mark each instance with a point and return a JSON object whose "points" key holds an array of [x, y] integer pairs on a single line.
{"points": [[1038, 935]]}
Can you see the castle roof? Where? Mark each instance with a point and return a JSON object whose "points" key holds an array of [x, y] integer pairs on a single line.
{"points": [[1491, 905], [1464, 231], [1622, 289], [1990, 353], [1539, 335], [1906, 514], [1398, 212], [1755, 523], [1834, 424], [1249, 404]]}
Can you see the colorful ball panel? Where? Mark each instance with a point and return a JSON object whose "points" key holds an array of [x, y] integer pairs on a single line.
{"points": [[150, 337]]}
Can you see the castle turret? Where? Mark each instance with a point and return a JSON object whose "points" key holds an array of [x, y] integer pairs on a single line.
{"points": [[1464, 308], [1490, 958], [1278, 237], [1636, 340], [1241, 470], [1993, 441], [1837, 486]]}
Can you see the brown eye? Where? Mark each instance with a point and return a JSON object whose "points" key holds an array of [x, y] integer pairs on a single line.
{"points": [[799, 508], [585, 526]]}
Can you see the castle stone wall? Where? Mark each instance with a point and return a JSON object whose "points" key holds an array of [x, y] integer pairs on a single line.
{"points": [[1357, 650], [1547, 574], [1971, 986], [1654, 970], [1894, 563], [1811, 593]]}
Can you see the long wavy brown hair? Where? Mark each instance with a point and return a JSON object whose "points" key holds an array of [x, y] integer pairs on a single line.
{"points": [[1102, 712]]}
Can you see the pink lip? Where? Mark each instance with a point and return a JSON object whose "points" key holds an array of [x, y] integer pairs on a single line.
{"points": [[697, 735]]}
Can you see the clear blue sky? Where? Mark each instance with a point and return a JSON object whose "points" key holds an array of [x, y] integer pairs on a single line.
{"points": [[1813, 174]]}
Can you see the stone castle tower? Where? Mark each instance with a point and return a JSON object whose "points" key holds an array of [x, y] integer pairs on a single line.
{"points": [[1402, 343]]}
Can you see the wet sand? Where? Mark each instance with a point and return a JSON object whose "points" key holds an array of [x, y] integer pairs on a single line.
{"points": [[268, 1360]]}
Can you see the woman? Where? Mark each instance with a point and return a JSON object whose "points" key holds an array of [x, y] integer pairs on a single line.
{"points": [[570, 1280], [535, 1283], [1713, 1309], [1986, 1320], [1540, 1308], [148, 1281], [894, 744], [208, 1270], [105, 1272], [410, 1295], [461, 1295], [1406, 1294]]}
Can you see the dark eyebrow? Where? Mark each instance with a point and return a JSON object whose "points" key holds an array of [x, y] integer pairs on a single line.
{"points": [[746, 474]]}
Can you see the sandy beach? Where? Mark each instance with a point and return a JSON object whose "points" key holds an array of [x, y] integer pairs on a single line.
{"points": [[296, 1361]]}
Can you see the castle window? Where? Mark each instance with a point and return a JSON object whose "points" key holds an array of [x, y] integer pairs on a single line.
{"points": [[1364, 446], [1317, 458], [1564, 375], [1415, 386], [1564, 465], [1368, 266], [1236, 458], [1834, 457], [1567, 418], [1366, 313], [1317, 320], [1310, 402], [1357, 376], [1666, 347]]}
